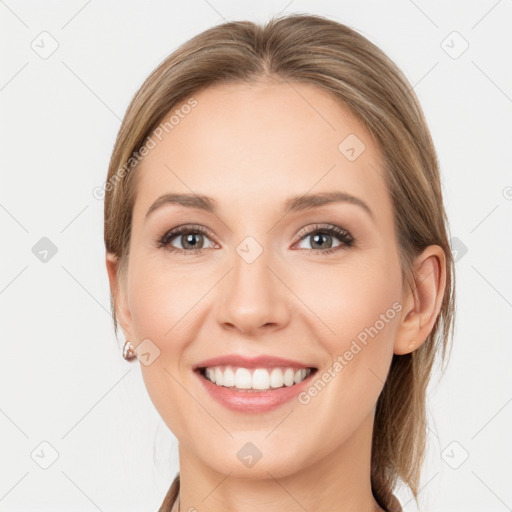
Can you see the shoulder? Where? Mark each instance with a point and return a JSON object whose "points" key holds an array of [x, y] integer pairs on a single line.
{"points": [[394, 504], [169, 502]]}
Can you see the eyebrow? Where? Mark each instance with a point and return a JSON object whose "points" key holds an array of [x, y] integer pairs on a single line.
{"points": [[292, 204]]}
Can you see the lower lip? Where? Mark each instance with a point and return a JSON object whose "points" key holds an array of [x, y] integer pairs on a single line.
{"points": [[253, 401]]}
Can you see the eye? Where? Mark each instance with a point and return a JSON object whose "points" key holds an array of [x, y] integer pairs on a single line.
{"points": [[190, 238], [321, 237]]}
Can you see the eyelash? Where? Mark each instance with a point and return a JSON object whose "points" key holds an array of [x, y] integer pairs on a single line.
{"points": [[342, 234]]}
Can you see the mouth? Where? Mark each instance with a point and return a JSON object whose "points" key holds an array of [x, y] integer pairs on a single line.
{"points": [[254, 380]]}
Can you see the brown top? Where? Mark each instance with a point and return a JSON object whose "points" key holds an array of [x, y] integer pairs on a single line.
{"points": [[170, 503]]}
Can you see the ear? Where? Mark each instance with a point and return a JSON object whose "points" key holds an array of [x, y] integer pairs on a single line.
{"points": [[119, 296], [422, 300]]}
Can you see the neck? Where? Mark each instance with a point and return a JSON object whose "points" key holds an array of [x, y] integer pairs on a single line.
{"points": [[340, 481]]}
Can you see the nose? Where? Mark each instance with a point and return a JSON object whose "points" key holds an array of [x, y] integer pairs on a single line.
{"points": [[252, 298]]}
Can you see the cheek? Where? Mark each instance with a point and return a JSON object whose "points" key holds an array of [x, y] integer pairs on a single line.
{"points": [[358, 308], [160, 298], [159, 301], [350, 298], [359, 311]]}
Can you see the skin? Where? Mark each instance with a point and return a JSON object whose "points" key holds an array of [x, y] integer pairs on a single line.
{"points": [[250, 147]]}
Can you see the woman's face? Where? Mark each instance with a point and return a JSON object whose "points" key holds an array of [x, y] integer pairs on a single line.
{"points": [[260, 280]]}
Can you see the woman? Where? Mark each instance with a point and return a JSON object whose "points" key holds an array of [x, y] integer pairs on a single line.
{"points": [[279, 263]]}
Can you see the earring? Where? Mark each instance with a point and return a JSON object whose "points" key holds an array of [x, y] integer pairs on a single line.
{"points": [[128, 351]]}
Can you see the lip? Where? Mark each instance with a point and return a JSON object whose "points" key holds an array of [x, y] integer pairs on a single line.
{"points": [[252, 402], [262, 361]]}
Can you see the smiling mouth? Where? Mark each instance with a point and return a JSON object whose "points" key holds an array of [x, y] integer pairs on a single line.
{"points": [[255, 379]]}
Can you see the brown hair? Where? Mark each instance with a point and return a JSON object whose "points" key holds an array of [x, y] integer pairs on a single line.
{"points": [[316, 50]]}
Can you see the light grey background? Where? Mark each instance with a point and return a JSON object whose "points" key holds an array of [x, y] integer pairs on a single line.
{"points": [[62, 378]]}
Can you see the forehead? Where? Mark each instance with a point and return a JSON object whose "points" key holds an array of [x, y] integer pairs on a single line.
{"points": [[257, 144]]}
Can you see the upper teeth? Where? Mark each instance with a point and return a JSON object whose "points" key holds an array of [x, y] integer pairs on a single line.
{"points": [[257, 378]]}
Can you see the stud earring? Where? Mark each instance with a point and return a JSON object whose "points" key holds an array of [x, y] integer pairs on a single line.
{"points": [[128, 351]]}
